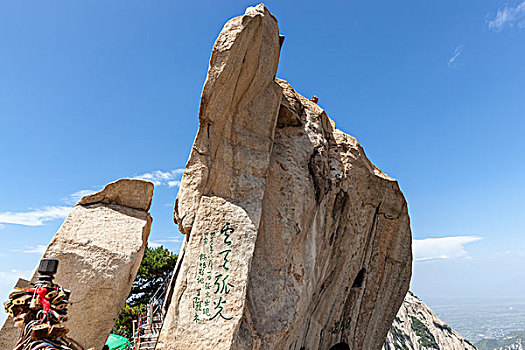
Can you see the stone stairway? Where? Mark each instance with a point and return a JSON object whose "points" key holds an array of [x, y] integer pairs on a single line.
{"points": [[148, 340], [146, 330]]}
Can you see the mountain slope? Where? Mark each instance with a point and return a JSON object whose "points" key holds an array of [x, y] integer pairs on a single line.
{"points": [[513, 341], [416, 327]]}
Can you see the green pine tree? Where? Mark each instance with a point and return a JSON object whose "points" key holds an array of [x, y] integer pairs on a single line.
{"points": [[154, 269]]}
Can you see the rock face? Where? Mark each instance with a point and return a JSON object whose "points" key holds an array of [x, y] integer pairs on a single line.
{"points": [[416, 327], [100, 247], [294, 239]]}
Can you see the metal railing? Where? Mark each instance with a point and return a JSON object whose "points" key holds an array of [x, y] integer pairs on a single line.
{"points": [[148, 315]]}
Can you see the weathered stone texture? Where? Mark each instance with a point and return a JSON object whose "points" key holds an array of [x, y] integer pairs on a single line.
{"points": [[320, 242], [225, 178], [100, 247], [238, 112], [328, 213], [128, 193]]}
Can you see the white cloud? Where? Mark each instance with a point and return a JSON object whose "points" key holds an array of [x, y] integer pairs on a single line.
{"points": [[441, 248], [39, 217], [154, 244], [505, 254], [73, 198], [168, 178], [173, 183], [452, 61], [508, 16], [159, 242], [36, 217], [14, 275], [171, 240], [38, 249]]}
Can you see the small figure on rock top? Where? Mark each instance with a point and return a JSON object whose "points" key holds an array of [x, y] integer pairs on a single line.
{"points": [[314, 99]]}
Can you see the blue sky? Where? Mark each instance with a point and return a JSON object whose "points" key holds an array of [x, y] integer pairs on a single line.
{"points": [[93, 91]]}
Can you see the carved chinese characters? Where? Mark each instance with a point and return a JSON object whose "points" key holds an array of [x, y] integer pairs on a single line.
{"points": [[213, 275], [294, 239], [210, 292]]}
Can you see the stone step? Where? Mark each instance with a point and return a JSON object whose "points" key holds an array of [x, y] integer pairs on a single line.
{"points": [[147, 347], [149, 336], [148, 339], [149, 344]]}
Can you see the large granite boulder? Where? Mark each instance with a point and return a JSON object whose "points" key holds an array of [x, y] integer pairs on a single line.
{"points": [[100, 247], [294, 239]]}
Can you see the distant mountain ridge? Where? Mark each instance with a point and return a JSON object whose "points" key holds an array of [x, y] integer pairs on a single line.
{"points": [[417, 327], [513, 341]]}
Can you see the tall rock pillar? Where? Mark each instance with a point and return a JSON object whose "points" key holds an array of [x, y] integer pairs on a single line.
{"points": [[294, 239], [219, 205]]}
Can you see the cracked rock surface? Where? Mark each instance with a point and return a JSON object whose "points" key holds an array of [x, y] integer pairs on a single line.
{"points": [[294, 239], [100, 246]]}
